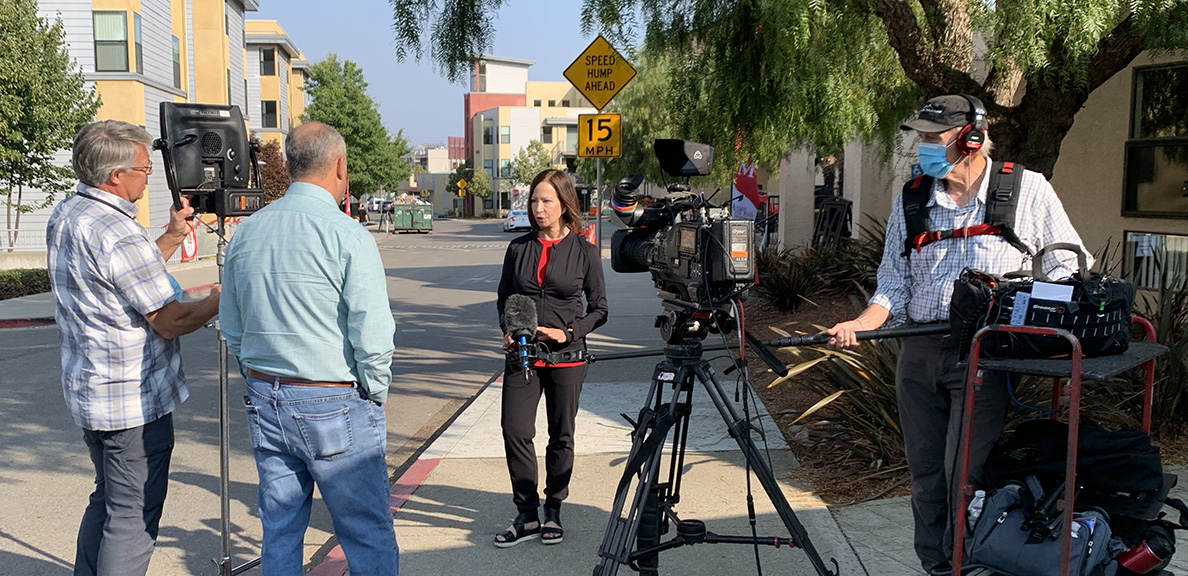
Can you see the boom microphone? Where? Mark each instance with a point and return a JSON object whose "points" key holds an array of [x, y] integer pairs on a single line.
{"points": [[519, 317]]}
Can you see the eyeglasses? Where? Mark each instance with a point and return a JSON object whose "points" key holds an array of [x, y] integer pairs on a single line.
{"points": [[146, 169]]}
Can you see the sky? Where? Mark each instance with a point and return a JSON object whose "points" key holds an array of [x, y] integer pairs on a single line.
{"points": [[412, 95]]}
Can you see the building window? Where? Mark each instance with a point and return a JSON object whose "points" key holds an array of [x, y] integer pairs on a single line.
{"points": [[268, 114], [565, 103], [1153, 259], [1157, 152], [552, 103], [536, 103], [268, 61], [505, 168], [505, 134], [139, 45], [546, 134], [111, 41], [482, 76], [177, 75], [571, 135], [489, 166], [488, 135]]}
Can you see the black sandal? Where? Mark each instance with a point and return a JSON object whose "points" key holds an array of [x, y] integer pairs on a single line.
{"points": [[551, 531], [517, 533]]}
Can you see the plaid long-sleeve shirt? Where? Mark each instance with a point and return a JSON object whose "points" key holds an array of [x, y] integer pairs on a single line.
{"points": [[920, 287], [106, 274]]}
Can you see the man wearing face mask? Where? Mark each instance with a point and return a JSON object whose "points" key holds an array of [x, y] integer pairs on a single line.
{"points": [[949, 205]]}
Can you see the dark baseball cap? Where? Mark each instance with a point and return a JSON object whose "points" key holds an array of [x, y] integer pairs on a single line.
{"points": [[940, 114]]}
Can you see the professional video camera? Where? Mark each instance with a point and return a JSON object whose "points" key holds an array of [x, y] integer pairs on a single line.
{"points": [[208, 156], [696, 253]]}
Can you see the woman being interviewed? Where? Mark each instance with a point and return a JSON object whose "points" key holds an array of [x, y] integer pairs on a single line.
{"points": [[555, 267]]}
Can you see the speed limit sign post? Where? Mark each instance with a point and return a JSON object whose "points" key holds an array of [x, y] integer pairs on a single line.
{"points": [[600, 136]]}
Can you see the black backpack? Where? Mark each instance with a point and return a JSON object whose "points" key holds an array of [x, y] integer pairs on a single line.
{"points": [[1001, 203]]}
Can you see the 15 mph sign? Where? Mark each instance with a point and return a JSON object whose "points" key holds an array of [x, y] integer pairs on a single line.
{"points": [[599, 73], [599, 136]]}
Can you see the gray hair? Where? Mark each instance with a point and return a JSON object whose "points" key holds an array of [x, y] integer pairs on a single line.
{"points": [[311, 148], [101, 147]]}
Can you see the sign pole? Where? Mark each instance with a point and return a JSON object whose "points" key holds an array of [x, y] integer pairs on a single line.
{"points": [[598, 207]]}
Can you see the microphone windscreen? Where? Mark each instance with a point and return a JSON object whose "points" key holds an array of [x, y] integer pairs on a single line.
{"points": [[519, 315]]}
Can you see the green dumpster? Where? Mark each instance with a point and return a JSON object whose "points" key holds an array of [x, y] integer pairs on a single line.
{"points": [[412, 217]]}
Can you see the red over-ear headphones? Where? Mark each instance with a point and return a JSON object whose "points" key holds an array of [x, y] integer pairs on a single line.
{"points": [[973, 134]]}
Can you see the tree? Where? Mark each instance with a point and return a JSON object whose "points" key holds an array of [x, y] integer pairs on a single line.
{"points": [[480, 184], [530, 161], [338, 97], [274, 175], [462, 172], [757, 77], [43, 104]]}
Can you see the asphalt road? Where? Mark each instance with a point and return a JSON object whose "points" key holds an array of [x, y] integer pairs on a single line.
{"points": [[442, 288]]}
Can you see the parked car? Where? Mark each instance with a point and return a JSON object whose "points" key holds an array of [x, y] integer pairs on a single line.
{"points": [[516, 220]]}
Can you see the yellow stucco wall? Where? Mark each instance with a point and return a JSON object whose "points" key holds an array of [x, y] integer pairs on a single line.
{"points": [[1089, 177], [211, 59], [124, 100]]}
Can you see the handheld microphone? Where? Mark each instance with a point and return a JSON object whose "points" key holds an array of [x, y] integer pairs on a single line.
{"points": [[519, 317]]}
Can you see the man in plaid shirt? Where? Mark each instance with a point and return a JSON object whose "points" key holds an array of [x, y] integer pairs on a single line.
{"points": [[916, 286], [119, 319]]}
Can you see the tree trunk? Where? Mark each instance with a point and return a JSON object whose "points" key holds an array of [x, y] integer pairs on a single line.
{"points": [[1032, 132]]}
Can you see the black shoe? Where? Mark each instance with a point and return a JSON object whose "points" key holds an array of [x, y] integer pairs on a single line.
{"points": [[551, 531], [941, 569], [517, 532]]}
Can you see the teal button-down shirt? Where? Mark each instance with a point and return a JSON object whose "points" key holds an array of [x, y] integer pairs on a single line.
{"points": [[304, 294]]}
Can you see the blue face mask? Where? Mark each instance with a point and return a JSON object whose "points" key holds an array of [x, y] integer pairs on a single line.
{"points": [[933, 161]]}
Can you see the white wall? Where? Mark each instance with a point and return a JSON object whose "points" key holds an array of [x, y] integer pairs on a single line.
{"points": [[506, 78]]}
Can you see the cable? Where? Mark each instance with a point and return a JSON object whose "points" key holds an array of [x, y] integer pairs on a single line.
{"points": [[1041, 412]]}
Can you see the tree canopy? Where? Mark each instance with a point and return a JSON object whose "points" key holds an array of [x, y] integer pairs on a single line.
{"points": [[338, 97], [44, 102], [758, 77]]}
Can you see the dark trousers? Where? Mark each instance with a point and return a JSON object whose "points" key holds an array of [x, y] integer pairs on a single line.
{"points": [[561, 387], [930, 386], [119, 528]]}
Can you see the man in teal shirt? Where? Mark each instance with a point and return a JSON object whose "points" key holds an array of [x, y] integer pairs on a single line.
{"points": [[305, 309]]}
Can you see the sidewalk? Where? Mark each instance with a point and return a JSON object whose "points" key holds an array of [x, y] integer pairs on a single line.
{"points": [[38, 309]]}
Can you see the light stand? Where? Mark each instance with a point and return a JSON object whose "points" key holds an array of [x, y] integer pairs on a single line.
{"points": [[223, 563], [208, 157]]}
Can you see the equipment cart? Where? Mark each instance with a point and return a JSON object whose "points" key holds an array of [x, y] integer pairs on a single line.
{"points": [[1076, 371]]}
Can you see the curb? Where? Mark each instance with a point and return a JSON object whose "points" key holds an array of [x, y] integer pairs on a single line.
{"points": [[414, 474], [26, 322]]}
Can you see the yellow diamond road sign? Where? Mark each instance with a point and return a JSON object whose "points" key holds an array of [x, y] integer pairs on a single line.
{"points": [[599, 136], [461, 183], [599, 73]]}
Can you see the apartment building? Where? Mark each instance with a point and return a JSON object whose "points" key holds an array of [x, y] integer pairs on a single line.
{"points": [[276, 73], [139, 53], [505, 111]]}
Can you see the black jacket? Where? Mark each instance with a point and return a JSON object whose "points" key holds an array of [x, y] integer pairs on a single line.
{"points": [[574, 269]]}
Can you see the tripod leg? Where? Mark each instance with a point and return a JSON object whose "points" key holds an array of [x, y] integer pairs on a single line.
{"points": [[650, 434], [740, 429], [649, 532]]}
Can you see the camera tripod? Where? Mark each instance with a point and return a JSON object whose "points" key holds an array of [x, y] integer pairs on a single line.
{"points": [[634, 538]]}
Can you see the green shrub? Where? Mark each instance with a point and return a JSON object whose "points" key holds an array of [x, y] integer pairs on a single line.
{"points": [[788, 278], [23, 282]]}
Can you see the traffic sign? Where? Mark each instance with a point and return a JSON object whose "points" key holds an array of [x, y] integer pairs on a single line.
{"points": [[600, 136], [461, 183], [599, 73]]}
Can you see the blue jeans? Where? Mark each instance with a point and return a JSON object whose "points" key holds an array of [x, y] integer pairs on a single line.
{"points": [[333, 437]]}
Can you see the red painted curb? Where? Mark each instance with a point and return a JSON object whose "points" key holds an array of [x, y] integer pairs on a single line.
{"points": [[335, 564], [25, 322]]}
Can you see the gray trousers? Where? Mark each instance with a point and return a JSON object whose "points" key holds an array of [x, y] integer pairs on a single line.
{"points": [[930, 386], [119, 528]]}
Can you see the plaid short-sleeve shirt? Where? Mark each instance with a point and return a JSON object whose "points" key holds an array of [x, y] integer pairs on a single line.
{"points": [[919, 287], [106, 274]]}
